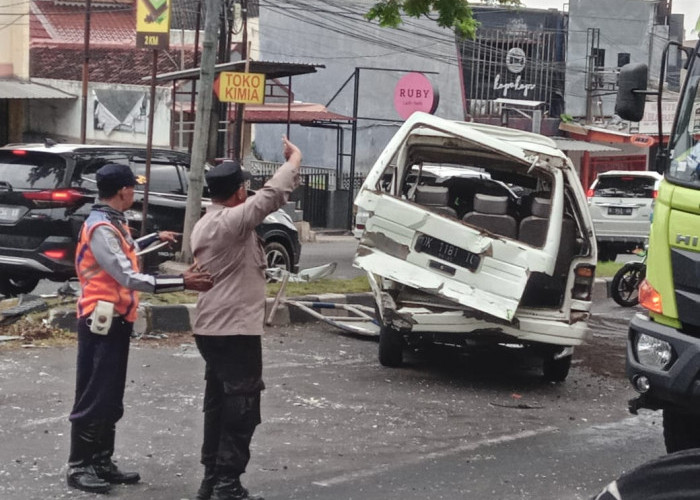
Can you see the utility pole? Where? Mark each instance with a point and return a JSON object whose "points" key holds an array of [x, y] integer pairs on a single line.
{"points": [[86, 67], [201, 125], [238, 126]]}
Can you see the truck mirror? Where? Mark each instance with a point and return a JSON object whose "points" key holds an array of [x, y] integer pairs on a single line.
{"points": [[629, 104]]}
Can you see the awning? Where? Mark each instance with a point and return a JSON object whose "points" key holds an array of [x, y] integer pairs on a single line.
{"points": [[567, 144], [271, 69], [298, 112], [23, 89]]}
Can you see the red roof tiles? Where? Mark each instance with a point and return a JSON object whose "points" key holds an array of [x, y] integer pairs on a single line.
{"points": [[108, 64]]}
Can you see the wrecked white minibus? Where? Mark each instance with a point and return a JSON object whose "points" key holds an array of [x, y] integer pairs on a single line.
{"points": [[477, 234]]}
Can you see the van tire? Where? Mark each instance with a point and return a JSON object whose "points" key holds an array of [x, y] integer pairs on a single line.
{"points": [[556, 370], [681, 430], [391, 346]]}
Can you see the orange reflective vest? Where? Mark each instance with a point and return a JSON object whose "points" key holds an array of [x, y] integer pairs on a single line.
{"points": [[97, 284]]}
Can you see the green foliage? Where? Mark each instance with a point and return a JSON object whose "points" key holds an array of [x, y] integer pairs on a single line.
{"points": [[454, 14], [566, 118]]}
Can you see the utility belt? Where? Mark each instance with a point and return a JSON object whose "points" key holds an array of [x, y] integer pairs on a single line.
{"points": [[100, 320]]}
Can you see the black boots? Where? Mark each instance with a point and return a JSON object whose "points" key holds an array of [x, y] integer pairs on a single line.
{"points": [[83, 445], [228, 487], [103, 465], [108, 471], [206, 488], [90, 466]]}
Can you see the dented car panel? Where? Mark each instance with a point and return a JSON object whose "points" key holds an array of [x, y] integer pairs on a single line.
{"points": [[498, 250]]}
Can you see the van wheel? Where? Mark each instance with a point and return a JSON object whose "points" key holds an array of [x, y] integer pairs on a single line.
{"points": [[390, 347], [556, 370], [681, 430], [12, 286]]}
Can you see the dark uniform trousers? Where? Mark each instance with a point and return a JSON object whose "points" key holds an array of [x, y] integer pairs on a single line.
{"points": [[233, 375], [99, 390]]}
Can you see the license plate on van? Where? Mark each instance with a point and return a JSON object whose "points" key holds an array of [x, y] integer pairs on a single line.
{"points": [[619, 210], [447, 252], [9, 213]]}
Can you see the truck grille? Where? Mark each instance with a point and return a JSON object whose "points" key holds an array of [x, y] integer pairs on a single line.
{"points": [[686, 279]]}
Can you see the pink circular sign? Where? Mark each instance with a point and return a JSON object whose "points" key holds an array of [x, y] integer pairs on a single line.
{"points": [[414, 92]]}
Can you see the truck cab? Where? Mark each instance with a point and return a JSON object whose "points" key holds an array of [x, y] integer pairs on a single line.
{"points": [[663, 347]]}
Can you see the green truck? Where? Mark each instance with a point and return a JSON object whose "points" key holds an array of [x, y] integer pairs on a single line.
{"points": [[663, 345]]}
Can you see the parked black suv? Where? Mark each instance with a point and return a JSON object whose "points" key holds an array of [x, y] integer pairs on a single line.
{"points": [[47, 190]]}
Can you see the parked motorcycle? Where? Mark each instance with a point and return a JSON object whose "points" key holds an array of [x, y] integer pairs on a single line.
{"points": [[624, 288]]}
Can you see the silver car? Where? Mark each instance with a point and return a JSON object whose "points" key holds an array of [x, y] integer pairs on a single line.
{"points": [[621, 203]]}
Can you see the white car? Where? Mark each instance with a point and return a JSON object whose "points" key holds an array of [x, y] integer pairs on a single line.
{"points": [[621, 203], [463, 259]]}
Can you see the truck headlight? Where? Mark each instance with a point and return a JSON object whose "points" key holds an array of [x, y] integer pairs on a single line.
{"points": [[653, 352]]}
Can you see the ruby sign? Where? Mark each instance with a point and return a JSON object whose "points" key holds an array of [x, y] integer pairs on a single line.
{"points": [[414, 92]]}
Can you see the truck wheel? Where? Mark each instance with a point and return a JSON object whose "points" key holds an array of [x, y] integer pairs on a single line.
{"points": [[681, 431], [390, 347], [556, 370]]}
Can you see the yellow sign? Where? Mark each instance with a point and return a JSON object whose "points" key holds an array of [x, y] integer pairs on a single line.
{"points": [[152, 24], [244, 88]]}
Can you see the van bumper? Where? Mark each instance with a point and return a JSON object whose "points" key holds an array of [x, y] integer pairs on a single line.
{"points": [[523, 329]]}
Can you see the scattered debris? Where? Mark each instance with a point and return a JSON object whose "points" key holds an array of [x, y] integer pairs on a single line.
{"points": [[27, 304]]}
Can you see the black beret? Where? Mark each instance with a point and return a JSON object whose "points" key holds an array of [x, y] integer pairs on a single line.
{"points": [[114, 176], [224, 179]]}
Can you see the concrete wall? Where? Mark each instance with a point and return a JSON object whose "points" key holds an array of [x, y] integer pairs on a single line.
{"points": [[625, 26], [61, 118], [419, 46], [14, 39]]}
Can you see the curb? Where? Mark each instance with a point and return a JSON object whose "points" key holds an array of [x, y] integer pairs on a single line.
{"points": [[179, 317]]}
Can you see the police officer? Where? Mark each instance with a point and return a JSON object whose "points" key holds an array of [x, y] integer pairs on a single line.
{"points": [[107, 267], [229, 319]]}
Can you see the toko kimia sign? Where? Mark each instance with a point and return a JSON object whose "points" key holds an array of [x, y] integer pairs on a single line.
{"points": [[242, 88], [414, 92]]}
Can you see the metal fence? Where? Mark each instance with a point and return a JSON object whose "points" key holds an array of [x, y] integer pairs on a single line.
{"points": [[313, 195]]}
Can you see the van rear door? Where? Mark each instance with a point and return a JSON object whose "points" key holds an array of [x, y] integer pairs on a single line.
{"points": [[412, 245]]}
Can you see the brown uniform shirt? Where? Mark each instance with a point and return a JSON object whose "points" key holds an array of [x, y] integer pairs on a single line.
{"points": [[224, 242]]}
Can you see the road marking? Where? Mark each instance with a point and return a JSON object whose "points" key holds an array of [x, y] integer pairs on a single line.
{"points": [[344, 478]]}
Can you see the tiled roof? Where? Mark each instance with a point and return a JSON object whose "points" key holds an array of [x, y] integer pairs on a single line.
{"points": [[66, 23], [108, 64], [110, 20]]}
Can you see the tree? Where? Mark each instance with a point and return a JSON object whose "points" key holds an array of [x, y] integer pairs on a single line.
{"points": [[456, 14]]}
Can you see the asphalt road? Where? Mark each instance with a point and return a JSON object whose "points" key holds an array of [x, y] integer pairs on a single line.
{"points": [[339, 426]]}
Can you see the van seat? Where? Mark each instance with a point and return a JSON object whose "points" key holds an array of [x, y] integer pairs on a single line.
{"points": [[533, 228], [533, 231], [491, 213], [436, 198]]}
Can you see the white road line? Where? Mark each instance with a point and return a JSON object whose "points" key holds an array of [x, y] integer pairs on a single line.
{"points": [[436, 455]]}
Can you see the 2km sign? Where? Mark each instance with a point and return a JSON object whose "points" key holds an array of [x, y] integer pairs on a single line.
{"points": [[243, 88]]}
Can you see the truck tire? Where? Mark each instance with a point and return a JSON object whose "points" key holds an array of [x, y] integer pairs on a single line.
{"points": [[681, 430], [556, 370], [390, 347]]}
